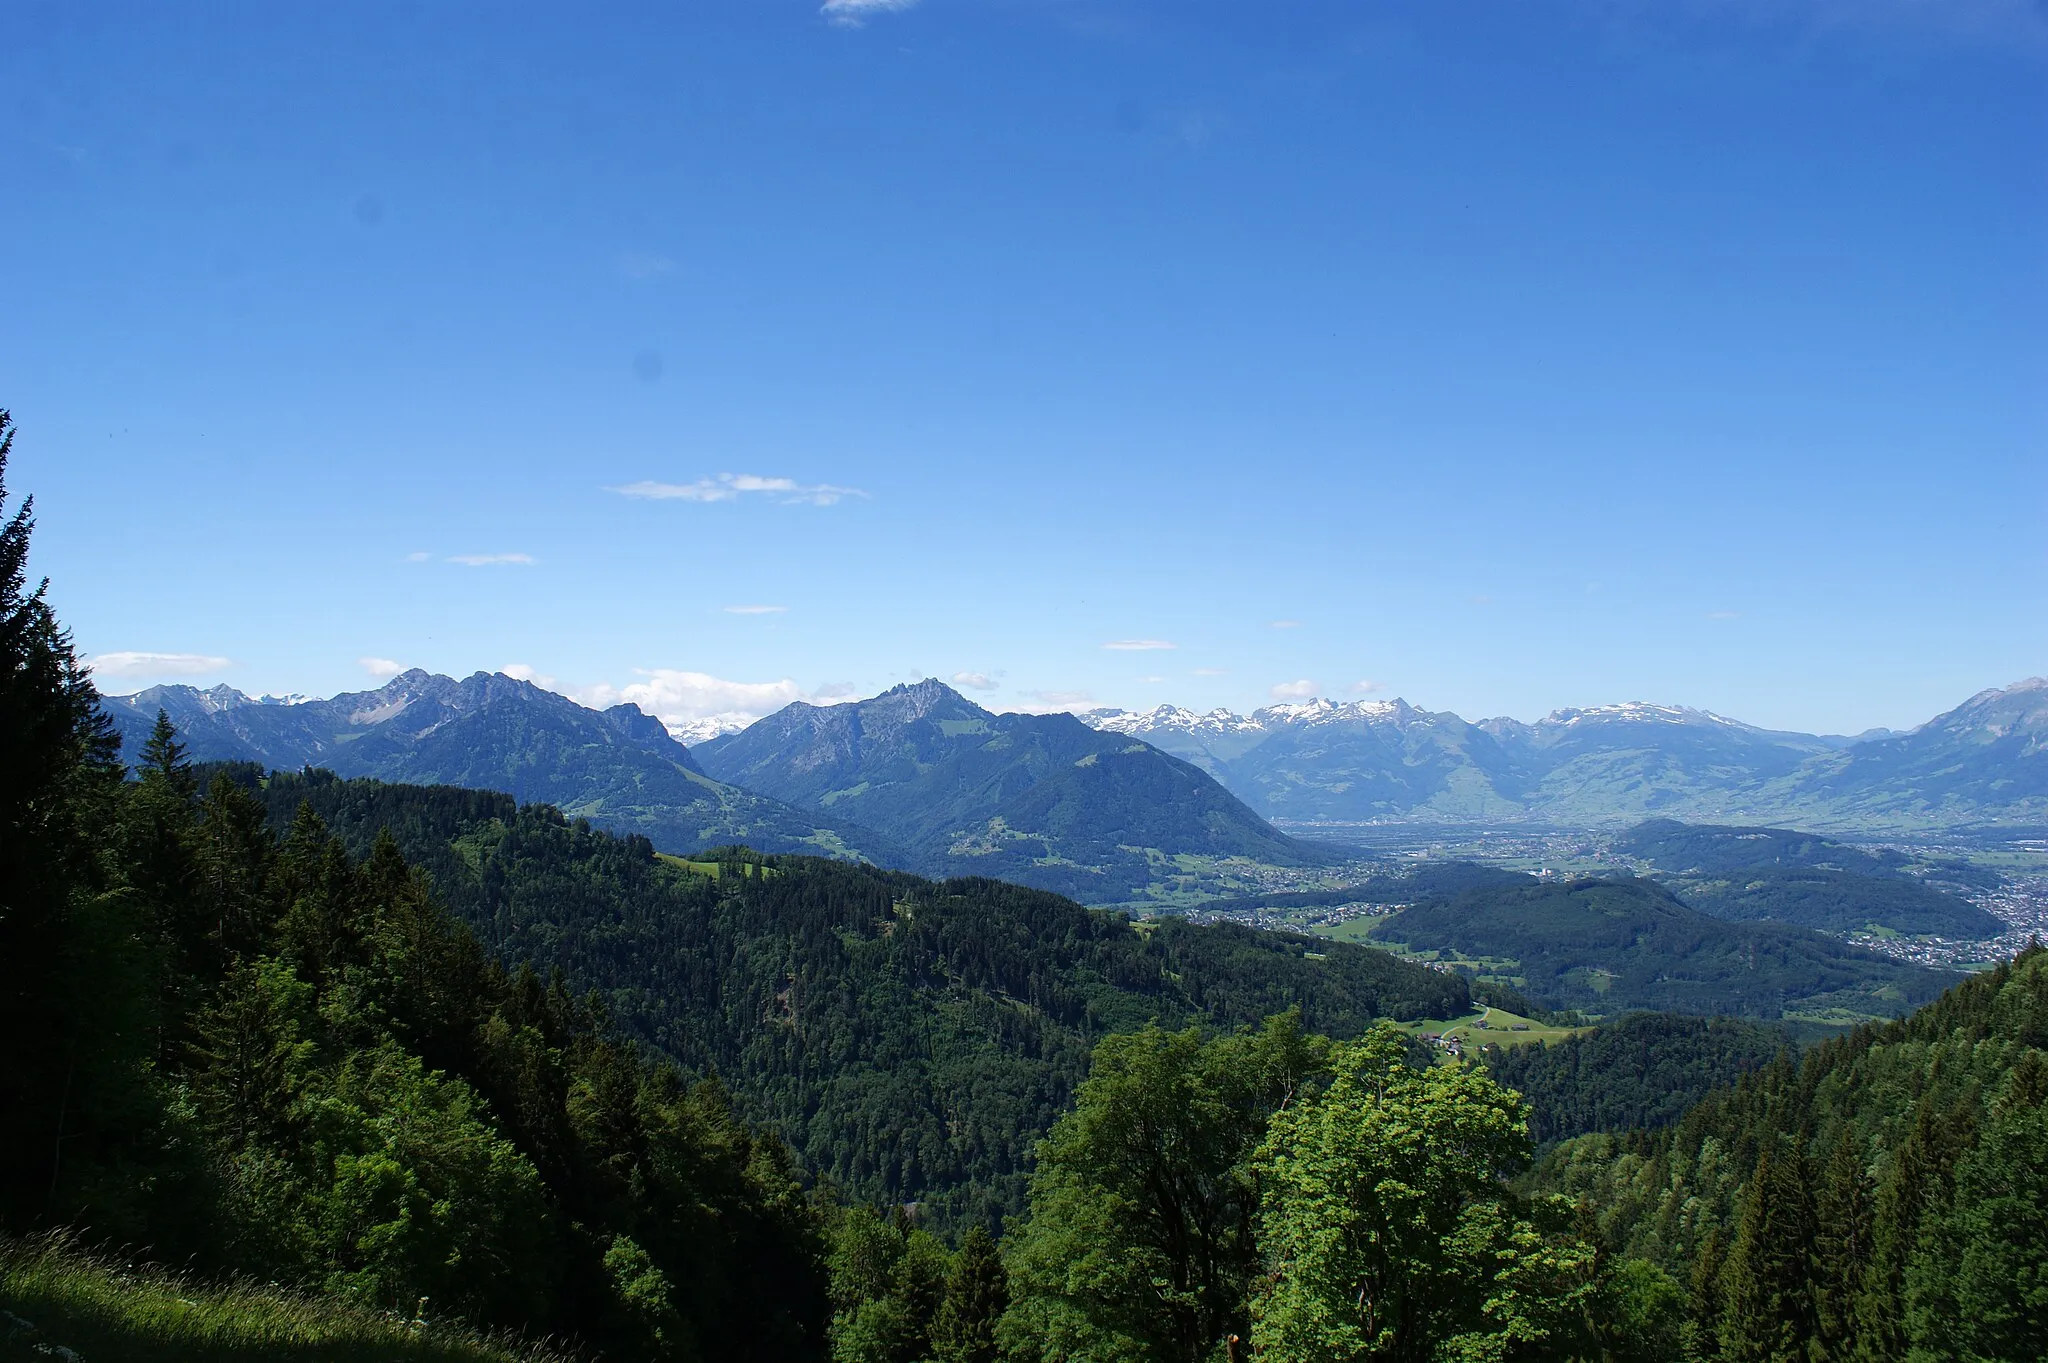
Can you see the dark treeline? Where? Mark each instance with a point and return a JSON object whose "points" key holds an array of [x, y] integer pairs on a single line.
{"points": [[265, 1056]]}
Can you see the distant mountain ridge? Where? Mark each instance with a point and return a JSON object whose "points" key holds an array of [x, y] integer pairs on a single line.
{"points": [[917, 779], [1044, 800], [1326, 761], [617, 767]]}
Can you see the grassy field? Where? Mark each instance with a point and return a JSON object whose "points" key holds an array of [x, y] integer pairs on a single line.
{"points": [[713, 869], [1500, 1028], [59, 1304]]}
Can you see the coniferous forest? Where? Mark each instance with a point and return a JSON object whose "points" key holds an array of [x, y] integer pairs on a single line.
{"points": [[496, 1084]]}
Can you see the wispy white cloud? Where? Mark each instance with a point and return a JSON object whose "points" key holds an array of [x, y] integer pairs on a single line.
{"points": [[418, 556], [645, 265], [139, 664], [381, 667], [491, 560], [526, 673], [1284, 624], [1368, 687], [1050, 702], [1138, 645], [730, 487], [975, 681], [695, 705], [1294, 690], [1152, 680], [854, 13], [755, 610]]}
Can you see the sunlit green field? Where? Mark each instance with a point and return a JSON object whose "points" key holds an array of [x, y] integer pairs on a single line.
{"points": [[1501, 1028]]}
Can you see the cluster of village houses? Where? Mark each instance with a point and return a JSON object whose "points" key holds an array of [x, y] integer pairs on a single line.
{"points": [[1452, 1044]]}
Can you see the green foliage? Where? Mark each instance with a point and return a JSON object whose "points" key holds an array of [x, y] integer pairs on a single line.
{"points": [[889, 1287], [1141, 1238], [1386, 1230], [977, 1294], [268, 1056]]}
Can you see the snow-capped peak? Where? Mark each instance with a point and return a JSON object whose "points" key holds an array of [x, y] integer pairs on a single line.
{"points": [[708, 727], [1323, 711], [1639, 712], [1179, 719], [1174, 717]]}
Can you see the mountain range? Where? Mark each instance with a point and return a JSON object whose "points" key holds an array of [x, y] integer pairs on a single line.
{"points": [[1114, 807], [1041, 799], [1984, 762], [619, 768], [918, 778]]}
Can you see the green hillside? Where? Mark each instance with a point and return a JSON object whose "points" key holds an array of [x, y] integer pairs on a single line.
{"points": [[1886, 1196], [1611, 946], [1641, 1071], [1781, 876], [910, 1039], [61, 1302]]}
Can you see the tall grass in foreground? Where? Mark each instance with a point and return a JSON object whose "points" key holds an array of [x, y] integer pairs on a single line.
{"points": [[63, 1303]]}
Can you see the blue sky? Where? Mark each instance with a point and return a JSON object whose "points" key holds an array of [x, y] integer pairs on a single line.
{"points": [[1499, 356]]}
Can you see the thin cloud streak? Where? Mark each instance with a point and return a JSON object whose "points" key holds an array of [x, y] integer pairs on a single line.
{"points": [[1137, 645], [492, 560], [755, 610], [131, 663], [855, 13], [730, 487]]}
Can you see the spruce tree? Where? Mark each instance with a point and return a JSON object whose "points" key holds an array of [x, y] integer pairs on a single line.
{"points": [[1842, 1246], [977, 1294], [1699, 1339], [160, 861], [1767, 1286], [66, 1056], [1907, 1195], [236, 856]]}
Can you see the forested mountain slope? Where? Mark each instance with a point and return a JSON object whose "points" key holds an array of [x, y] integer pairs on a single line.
{"points": [[1885, 1197], [911, 1039], [618, 767], [1606, 945], [1039, 799], [1783, 876], [1642, 1071]]}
